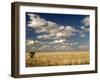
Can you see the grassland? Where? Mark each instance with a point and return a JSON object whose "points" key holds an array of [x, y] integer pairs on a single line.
{"points": [[57, 58]]}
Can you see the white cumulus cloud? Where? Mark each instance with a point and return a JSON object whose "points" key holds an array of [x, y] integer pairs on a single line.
{"points": [[59, 41], [86, 21], [36, 21], [54, 35], [53, 29], [31, 42]]}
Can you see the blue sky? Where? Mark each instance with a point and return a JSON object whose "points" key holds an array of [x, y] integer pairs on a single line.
{"points": [[56, 32]]}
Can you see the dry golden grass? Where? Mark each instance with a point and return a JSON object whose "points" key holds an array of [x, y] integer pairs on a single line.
{"points": [[57, 58]]}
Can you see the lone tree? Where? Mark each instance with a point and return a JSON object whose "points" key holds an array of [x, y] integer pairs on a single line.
{"points": [[32, 54]]}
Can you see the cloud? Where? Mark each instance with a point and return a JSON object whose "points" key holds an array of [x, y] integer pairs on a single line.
{"points": [[31, 42], [86, 21], [44, 36], [83, 47], [82, 35], [36, 21], [61, 28], [52, 29], [58, 45], [59, 41], [85, 29], [70, 28], [57, 33], [63, 46], [54, 36]]}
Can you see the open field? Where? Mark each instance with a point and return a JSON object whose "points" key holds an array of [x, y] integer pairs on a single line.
{"points": [[57, 58]]}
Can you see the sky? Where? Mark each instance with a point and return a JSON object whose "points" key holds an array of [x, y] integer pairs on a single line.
{"points": [[56, 32]]}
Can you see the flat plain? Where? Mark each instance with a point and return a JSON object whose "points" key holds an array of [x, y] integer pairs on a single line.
{"points": [[57, 58]]}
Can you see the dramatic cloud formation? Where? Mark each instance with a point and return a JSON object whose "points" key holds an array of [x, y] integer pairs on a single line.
{"points": [[51, 28], [52, 36]]}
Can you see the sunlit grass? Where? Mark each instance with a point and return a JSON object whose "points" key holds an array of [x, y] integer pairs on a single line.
{"points": [[57, 58]]}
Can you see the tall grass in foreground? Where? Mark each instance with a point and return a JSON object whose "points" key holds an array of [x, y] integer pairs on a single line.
{"points": [[57, 58]]}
